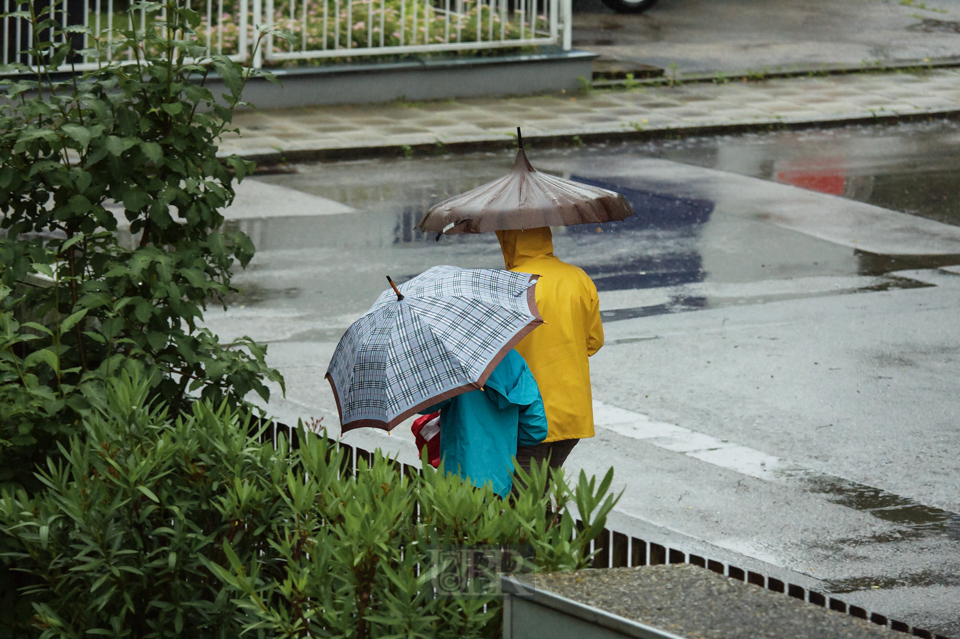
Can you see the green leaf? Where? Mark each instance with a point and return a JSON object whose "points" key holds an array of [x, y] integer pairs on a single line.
{"points": [[270, 77], [99, 582], [31, 134], [116, 146], [143, 309], [160, 214], [153, 151], [156, 340], [73, 240], [79, 204], [38, 327], [231, 73], [172, 109], [100, 339], [149, 493], [136, 199], [43, 269], [72, 320], [81, 134], [48, 357], [195, 277]]}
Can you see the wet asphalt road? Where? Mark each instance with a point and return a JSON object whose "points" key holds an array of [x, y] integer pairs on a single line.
{"points": [[739, 36], [777, 389]]}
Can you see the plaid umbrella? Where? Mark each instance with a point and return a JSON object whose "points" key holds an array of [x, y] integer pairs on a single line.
{"points": [[439, 335]]}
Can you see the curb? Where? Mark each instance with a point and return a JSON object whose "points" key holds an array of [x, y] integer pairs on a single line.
{"points": [[321, 155], [764, 73]]}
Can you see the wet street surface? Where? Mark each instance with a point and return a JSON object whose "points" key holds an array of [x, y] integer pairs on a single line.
{"points": [[700, 37], [778, 383]]}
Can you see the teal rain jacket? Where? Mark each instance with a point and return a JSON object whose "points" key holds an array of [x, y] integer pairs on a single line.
{"points": [[480, 430]]}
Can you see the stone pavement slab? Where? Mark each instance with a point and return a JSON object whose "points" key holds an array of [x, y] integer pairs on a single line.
{"points": [[345, 132]]}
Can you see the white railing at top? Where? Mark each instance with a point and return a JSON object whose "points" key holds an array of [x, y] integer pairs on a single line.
{"points": [[222, 32], [317, 28]]}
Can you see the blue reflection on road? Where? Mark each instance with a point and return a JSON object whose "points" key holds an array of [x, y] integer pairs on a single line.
{"points": [[681, 216]]}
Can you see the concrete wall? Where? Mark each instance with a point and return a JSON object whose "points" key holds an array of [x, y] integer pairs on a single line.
{"points": [[421, 80]]}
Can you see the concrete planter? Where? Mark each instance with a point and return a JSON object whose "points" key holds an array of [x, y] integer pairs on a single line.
{"points": [[542, 613], [419, 80], [664, 602]]}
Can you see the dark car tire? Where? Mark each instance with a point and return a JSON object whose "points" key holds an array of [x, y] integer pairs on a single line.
{"points": [[629, 6]]}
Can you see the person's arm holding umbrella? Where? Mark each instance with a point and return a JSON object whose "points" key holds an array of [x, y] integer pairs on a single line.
{"points": [[595, 330]]}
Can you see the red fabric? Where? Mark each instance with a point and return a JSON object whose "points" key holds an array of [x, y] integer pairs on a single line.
{"points": [[430, 439]]}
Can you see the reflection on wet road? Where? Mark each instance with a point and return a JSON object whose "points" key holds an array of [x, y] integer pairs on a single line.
{"points": [[912, 168], [685, 233], [661, 213]]}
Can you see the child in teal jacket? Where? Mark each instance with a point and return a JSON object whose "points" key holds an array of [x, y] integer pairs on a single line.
{"points": [[480, 430]]}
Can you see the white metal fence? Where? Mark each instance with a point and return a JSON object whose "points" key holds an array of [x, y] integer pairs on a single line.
{"points": [[315, 29]]}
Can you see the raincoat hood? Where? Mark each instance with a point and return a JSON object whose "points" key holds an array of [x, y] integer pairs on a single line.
{"points": [[520, 247]]}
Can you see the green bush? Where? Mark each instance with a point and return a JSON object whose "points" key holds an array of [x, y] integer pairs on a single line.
{"points": [[125, 151], [114, 542], [110, 236], [354, 562], [154, 527]]}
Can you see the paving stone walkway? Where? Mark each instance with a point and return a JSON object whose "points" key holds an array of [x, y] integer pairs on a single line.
{"points": [[341, 132]]}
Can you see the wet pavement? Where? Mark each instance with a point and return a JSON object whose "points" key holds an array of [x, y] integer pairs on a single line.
{"points": [[638, 113], [782, 346], [782, 343], [708, 38]]}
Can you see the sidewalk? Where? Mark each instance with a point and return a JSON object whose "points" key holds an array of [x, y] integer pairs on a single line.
{"points": [[642, 112]]}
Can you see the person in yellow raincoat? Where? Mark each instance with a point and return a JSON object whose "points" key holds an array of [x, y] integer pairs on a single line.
{"points": [[557, 351]]}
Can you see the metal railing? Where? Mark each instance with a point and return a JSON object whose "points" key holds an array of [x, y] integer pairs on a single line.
{"points": [[312, 29], [95, 27]]}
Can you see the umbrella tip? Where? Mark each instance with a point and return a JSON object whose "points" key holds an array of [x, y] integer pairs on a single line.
{"points": [[395, 289], [519, 139]]}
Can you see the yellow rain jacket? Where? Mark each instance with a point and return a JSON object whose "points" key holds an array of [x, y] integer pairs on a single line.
{"points": [[557, 351]]}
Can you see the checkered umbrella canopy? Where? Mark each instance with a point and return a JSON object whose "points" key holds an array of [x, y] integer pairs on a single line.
{"points": [[443, 338]]}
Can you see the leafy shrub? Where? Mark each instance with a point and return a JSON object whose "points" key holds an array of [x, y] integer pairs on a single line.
{"points": [[355, 563], [127, 150], [193, 528]]}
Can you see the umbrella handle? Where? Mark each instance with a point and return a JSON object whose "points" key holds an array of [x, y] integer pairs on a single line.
{"points": [[395, 289]]}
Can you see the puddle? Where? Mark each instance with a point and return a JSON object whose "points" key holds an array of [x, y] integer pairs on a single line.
{"points": [[930, 25], [682, 304], [680, 236], [911, 167], [916, 580], [871, 264], [884, 505]]}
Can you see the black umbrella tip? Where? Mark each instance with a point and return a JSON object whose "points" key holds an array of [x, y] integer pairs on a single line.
{"points": [[519, 139]]}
